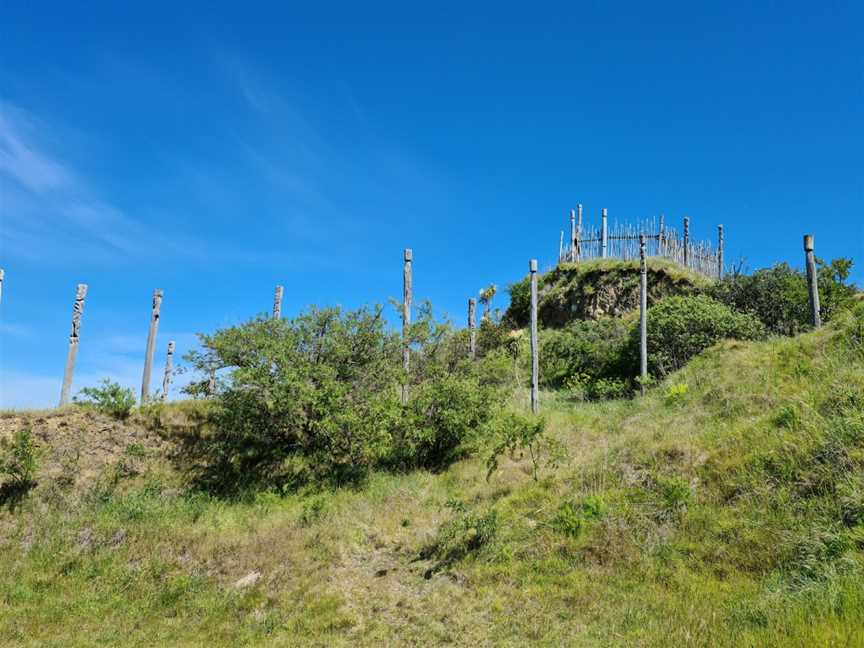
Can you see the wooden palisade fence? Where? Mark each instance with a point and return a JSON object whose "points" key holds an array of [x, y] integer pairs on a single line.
{"points": [[622, 241]]}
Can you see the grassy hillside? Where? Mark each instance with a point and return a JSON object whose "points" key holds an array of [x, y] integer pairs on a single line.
{"points": [[726, 508]]}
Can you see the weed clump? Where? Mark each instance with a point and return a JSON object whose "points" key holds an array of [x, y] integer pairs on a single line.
{"points": [[108, 398], [17, 467]]}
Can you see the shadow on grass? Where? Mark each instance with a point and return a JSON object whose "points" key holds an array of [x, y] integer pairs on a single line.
{"points": [[12, 493]]}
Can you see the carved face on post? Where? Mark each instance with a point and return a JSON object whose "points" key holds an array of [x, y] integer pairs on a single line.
{"points": [[77, 310]]}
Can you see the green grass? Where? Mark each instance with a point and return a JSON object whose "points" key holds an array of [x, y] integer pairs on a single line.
{"points": [[726, 513]]}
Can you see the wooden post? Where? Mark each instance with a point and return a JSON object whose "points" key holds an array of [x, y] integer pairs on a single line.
{"points": [[277, 303], [812, 280], [211, 382], [719, 251], [77, 312], [660, 234], [686, 240], [572, 235], [169, 367], [643, 314], [561, 247], [578, 229], [604, 238], [151, 345], [472, 328], [406, 320], [535, 351]]}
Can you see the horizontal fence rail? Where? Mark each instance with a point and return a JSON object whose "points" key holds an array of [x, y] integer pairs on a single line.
{"points": [[621, 241]]}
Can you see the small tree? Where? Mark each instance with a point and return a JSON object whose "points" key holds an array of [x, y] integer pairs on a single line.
{"points": [[486, 297]]}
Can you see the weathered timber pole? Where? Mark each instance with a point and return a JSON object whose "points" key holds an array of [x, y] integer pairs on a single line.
{"points": [[561, 247], [686, 240], [719, 251], [77, 312], [277, 303], [169, 367], [812, 280], [604, 232], [660, 234], [572, 235], [578, 230], [211, 381], [151, 345], [406, 321], [472, 328], [643, 315], [535, 351]]}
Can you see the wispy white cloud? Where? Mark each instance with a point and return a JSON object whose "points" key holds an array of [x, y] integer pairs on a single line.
{"points": [[21, 161], [50, 211]]}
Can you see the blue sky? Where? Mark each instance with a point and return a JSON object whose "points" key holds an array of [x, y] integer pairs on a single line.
{"points": [[214, 152]]}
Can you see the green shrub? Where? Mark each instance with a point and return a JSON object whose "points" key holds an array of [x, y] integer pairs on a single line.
{"points": [[779, 298], [681, 327], [589, 348], [321, 386], [317, 398], [442, 413], [108, 398]]}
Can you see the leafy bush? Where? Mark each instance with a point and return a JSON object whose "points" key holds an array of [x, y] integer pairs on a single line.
{"points": [[681, 327], [779, 298], [317, 398], [109, 398], [442, 413], [584, 387], [321, 386], [17, 466], [588, 348]]}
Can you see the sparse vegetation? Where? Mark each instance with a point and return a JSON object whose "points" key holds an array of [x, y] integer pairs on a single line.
{"points": [[17, 467]]}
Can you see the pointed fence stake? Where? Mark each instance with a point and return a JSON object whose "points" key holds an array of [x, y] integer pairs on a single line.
{"points": [[151, 345], [643, 314], [277, 303], [169, 367], [535, 352], [406, 320], [77, 312], [604, 233], [812, 280]]}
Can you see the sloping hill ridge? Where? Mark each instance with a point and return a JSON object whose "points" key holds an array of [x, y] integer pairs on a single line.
{"points": [[726, 508]]}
